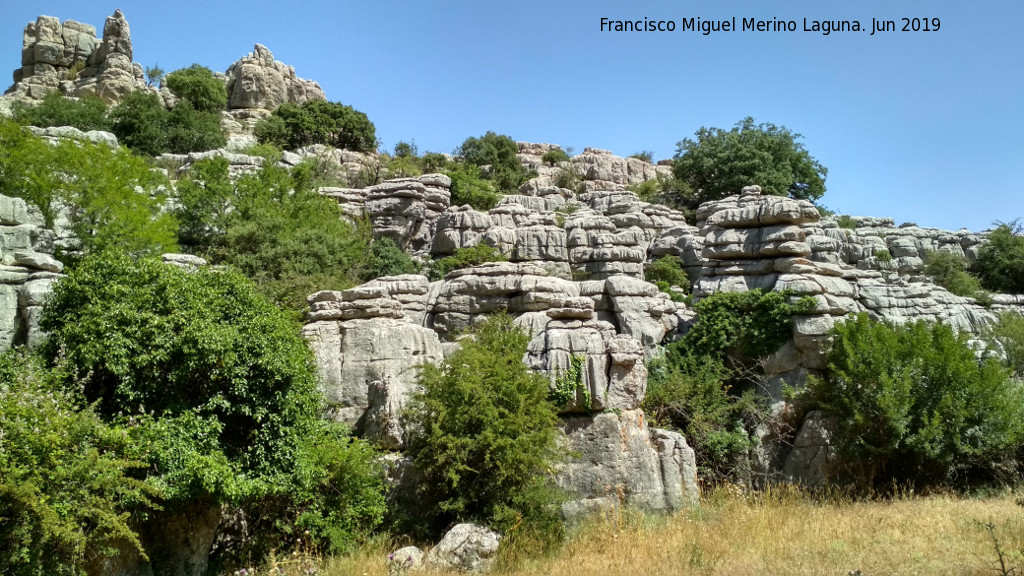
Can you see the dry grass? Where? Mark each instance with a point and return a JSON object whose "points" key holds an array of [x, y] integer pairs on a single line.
{"points": [[784, 533]]}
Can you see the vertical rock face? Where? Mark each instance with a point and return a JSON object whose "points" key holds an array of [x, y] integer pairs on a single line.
{"points": [[28, 272], [259, 81], [623, 461], [407, 209]]}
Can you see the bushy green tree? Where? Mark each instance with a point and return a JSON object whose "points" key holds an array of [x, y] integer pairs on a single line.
{"points": [[85, 113], [913, 405], [273, 227], [554, 156], [67, 485], [950, 271], [464, 258], [221, 389], [470, 187], [720, 163], [199, 87], [1006, 338], [113, 198], [387, 259], [691, 393], [141, 123], [293, 126], [497, 154], [666, 272], [484, 436], [1000, 263], [743, 325]]}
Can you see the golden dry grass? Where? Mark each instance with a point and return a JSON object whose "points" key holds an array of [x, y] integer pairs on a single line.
{"points": [[784, 533]]}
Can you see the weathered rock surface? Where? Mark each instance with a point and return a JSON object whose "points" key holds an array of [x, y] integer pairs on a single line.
{"points": [[621, 461], [812, 454], [466, 548], [406, 210], [259, 81]]}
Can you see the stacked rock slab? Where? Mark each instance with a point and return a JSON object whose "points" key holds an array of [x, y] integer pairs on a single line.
{"points": [[406, 210], [368, 352], [68, 57], [368, 342], [28, 272]]}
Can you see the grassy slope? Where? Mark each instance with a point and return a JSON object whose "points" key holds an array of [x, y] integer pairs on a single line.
{"points": [[784, 534]]}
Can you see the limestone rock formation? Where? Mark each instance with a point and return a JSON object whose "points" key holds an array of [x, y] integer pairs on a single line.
{"points": [[406, 210], [28, 272], [466, 548], [259, 81], [621, 461], [68, 57]]}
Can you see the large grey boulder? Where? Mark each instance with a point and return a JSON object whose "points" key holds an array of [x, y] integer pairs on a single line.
{"points": [[466, 548]]}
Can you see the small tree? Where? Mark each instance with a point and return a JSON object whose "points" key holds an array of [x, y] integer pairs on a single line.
{"points": [[318, 122], [484, 435], [720, 163], [1000, 263], [198, 86], [497, 154], [950, 271], [154, 75]]}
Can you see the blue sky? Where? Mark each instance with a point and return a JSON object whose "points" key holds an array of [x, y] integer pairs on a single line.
{"points": [[925, 127]]}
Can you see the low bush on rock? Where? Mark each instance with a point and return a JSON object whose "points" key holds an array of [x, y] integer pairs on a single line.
{"points": [[199, 87], [912, 405], [497, 157], [464, 258], [86, 113], [950, 271], [470, 187], [293, 126], [484, 437]]}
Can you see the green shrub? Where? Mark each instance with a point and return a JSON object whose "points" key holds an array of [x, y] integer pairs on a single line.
{"points": [[484, 437], [569, 177], [847, 222], [155, 75], [141, 123], [912, 405], [883, 255], [667, 269], [950, 271], [690, 393], [645, 155], [199, 87], [497, 156], [67, 486], [274, 227], [469, 187], [1006, 336], [114, 199], [465, 258], [742, 325], [294, 126], [387, 259], [86, 113], [222, 391], [1000, 263], [554, 156]]}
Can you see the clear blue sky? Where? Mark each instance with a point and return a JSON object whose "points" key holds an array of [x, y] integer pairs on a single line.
{"points": [[925, 127]]}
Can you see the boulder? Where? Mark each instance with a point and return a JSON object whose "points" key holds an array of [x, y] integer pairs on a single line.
{"points": [[465, 548]]}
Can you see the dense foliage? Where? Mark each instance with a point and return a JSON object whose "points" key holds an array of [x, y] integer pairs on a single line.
{"points": [[66, 485], [113, 198], [273, 226], [217, 386], [470, 187], [667, 272], [86, 113], [1006, 338], [950, 271], [387, 259], [743, 325], [199, 87], [464, 258], [1000, 263], [293, 126], [141, 123], [497, 156], [484, 436], [720, 163], [913, 405]]}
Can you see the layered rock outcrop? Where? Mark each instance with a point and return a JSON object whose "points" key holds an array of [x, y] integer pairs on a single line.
{"points": [[69, 57]]}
